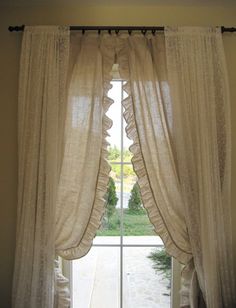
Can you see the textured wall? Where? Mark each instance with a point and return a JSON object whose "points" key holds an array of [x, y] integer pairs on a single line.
{"points": [[9, 67]]}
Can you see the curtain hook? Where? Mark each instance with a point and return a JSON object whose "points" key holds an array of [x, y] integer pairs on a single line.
{"points": [[144, 31], [109, 31], [83, 31], [117, 31], [99, 31], [129, 31], [153, 32]]}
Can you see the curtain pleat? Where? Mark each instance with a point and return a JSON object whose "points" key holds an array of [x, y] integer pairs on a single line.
{"points": [[177, 114], [153, 159], [85, 170], [43, 70], [201, 135]]}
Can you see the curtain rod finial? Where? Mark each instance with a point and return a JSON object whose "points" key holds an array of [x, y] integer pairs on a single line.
{"points": [[16, 28]]}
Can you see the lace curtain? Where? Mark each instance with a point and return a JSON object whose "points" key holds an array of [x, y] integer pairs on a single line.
{"points": [[59, 214], [43, 69], [201, 140], [177, 111], [178, 117]]}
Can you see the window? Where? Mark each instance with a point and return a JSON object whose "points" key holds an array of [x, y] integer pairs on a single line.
{"points": [[118, 271]]}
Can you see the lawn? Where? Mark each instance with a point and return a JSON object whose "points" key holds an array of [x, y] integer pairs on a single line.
{"points": [[135, 224]]}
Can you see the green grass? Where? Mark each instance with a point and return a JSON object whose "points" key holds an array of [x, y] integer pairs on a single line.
{"points": [[135, 224]]}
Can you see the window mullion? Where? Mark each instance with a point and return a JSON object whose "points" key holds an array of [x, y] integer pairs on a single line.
{"points": [[121, 199]]}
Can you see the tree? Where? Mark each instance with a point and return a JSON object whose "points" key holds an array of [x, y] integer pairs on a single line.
{"points": [[113, 153], [111, 199], [135, 201]]}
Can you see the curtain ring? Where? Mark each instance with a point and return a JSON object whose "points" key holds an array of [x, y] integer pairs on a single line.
{"points": [[144, 31]]}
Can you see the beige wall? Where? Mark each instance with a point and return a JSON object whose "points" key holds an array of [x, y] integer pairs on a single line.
{"points": [[9, 67]]}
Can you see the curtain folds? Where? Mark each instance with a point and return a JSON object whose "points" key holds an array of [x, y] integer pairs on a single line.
{"points": [[43, 70], [153, 160], [66, 138], [177, 114], [85, 171], [178, 118], [201, 136]]}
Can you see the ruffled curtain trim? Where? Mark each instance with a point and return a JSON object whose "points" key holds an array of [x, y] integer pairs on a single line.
{"points": [[138, 163], [98, 208], [146, 191]]}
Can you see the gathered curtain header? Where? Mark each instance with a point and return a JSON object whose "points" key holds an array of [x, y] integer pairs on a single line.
{"points": [[178, 117]]}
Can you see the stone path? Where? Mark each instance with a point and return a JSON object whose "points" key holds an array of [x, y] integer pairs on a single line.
{"points": [[96, 278]]}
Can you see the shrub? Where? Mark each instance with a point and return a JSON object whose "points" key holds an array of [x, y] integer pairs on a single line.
{"points": [[135, 201], [111, 200], [161, 262]]}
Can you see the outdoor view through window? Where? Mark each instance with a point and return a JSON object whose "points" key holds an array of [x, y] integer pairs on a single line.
{"points": [[127, 267]]}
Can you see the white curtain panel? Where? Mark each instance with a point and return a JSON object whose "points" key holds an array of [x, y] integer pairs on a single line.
{"points": [[149, 117], [177, 111], [63, 169], [148, 126], [62, 298], [85, 170], [178, 117], [43, 68], [201, 136]]}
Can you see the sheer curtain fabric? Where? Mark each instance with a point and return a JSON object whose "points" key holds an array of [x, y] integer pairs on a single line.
{"points": [[59, 215], [177, 114], [43, 68], [178, 117], [84, 174], [201, 140]]}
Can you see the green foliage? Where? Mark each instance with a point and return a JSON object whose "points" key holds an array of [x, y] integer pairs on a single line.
{"points": [[137, 223], [128, 171], [135, 201], [161, 262], [111, 199], [112, 228], [127, 155], [134, 225], [113, 153]]}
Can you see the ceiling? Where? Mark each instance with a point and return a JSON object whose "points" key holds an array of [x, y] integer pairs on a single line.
{"points": [[116, 2]]}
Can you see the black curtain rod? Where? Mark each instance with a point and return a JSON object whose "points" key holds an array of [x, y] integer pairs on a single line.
{"points": [[144, 29]]}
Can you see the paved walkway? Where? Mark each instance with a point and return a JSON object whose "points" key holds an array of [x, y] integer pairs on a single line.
{"points": [[96, 277]]}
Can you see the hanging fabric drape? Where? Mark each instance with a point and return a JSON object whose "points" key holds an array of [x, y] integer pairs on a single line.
{"points": [[153, 160], [177, 114], [178, 117], [201, 137], [149, 117], [43, 68], [59, 214], [85, 171]]}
